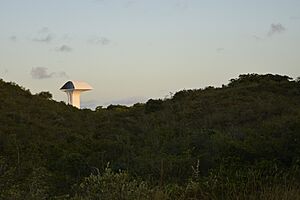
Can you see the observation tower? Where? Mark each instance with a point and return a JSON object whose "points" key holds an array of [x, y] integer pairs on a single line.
{"points": [[73, 90]]}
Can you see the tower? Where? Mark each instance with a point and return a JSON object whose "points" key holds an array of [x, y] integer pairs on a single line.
{"points": [[73, 90]]}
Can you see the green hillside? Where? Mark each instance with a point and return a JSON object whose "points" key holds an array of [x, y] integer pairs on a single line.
{"points": [[240, 141]]}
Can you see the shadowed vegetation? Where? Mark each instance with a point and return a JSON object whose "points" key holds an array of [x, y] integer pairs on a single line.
{"points": [[240, 141]]}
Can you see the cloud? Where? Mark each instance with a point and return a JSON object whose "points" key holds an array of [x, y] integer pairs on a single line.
{"points": [[92, 104], [129, 3], [44, 35], [13, 38], [295, 18], [4, 72], [99, 40], [182, 4], [128, 101], [61, 75], [66, 37], [276, 29], [257, 38], [46, 38], [220, 50], [101, 2], [42, 73], [64, 48], [44, 30]]}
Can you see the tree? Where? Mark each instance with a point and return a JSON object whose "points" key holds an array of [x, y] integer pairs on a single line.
{"points": [[45, 94]]}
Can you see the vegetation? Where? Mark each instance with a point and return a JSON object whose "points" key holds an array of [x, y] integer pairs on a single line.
{"points": [[240, 141]]}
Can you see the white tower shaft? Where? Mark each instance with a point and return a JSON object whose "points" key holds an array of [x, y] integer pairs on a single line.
{"points": [[74, 98]]}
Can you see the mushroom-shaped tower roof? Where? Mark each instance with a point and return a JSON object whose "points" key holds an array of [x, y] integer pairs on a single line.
{"points": [[76, 85]]}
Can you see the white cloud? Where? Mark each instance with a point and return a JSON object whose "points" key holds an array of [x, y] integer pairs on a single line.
{"points": [[42, 73], [276, 29]]}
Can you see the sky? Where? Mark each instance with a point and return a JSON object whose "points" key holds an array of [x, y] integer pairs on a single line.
{"points": [[132, 50]]}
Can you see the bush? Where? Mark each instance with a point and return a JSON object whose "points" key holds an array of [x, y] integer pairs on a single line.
{"points": [[111, 185]]}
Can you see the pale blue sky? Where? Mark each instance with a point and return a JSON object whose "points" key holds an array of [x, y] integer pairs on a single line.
{"points": [[133, 50]]}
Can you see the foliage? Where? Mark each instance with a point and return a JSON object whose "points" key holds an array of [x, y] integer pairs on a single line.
{"points": [[245, 137], [46, 95], [111, 185]]}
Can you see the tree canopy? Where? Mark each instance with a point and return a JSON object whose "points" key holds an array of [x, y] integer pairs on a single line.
{"points": [[199, 143]]}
